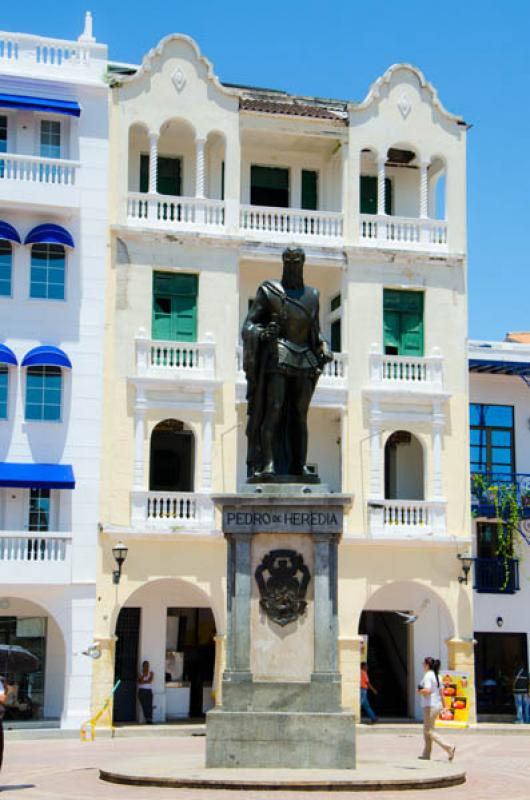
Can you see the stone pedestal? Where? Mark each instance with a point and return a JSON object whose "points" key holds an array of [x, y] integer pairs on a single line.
{"points": [[282, 686]]}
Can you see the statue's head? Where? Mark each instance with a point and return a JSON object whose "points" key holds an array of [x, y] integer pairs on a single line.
{"points": [[293, 268]]}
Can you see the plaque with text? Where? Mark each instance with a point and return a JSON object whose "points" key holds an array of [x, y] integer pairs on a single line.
{"points": [[283, 519]]}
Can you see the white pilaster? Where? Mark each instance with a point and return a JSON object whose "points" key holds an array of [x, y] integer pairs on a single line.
{"points": [[139, 438], [375, 452], [78, 637], [208, 415], [200, 171], [438, 420], [424, 190], [153, 162], [381, 189]]}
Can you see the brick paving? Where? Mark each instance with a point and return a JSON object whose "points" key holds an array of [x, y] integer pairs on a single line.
{"points": [[497, 765]]}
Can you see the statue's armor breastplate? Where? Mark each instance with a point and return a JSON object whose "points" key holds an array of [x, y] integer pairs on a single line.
{"points": [[296, 318]]}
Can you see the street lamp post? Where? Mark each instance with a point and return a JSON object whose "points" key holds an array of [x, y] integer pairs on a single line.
{"points": [[119, 551]]}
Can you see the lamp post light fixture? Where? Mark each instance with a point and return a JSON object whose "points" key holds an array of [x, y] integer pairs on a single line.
{"points": [[119, 551], [466, 561]]}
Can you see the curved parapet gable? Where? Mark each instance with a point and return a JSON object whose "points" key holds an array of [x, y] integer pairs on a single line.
{"points": [[378, 87], [150, 58]]}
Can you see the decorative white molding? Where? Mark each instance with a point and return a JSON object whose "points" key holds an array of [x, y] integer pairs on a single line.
{"points": [[179, 79], [156, 52], [404, 105], [374, 93]]}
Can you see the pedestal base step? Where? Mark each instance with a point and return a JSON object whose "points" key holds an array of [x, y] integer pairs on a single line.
{"points": [[269, 739]]}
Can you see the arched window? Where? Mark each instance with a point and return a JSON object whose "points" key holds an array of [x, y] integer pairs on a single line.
{"points": [[6, 262], [403, 467], [4, 390], [47, 271], [171, 458], [43, 393]]}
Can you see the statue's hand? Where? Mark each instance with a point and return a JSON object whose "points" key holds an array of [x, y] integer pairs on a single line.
{"points": [[326, 354], [271, 332]]}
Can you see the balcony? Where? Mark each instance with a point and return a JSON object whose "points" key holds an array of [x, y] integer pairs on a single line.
{"points": [[405, 378], [37, 56], [168, 213], [403, 233], [406, 519], [492, 494], [37, 181], [291, 224], [496, 575], [172, 512], [35, 558], [332, 387], [188, 362]]}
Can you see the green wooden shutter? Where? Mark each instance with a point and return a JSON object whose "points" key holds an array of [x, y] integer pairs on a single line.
{"points": [[174, 307], [168, 177], [144, 173], [403, 322], [309, 190], [369, 195]]}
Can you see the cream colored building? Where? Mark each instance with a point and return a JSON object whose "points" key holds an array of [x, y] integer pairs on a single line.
{"points": [[209, 182]]}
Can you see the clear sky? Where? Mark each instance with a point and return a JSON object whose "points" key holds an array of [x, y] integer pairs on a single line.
{"points": [[475, 52]]}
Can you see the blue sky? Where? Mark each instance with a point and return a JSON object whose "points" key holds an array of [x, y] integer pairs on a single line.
{"points": [[475, 52]]}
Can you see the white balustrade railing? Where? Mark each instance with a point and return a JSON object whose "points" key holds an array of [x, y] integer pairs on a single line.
{"points": [[20, 49], [33, 547], [190, 359], [175, 212], [35, 169], [408, 517], [334, 372], [403, 232], [411, 372], [292, 221], [172, 511]]}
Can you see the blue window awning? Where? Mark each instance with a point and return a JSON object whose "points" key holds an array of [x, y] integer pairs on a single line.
{"points": [[8, 233], [46, 356], [68, 108], [7, 356], [499, 367], [49, 234], [37, 476]]}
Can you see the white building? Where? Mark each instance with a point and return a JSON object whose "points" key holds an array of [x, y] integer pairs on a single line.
{"points": [[53, 217], [500, 456]]}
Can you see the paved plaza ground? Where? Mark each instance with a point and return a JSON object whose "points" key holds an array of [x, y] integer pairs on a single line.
{"points": [[497, 764]]}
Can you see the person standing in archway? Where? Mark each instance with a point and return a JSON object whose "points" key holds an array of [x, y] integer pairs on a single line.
{"points": [[431, 700], [366, 686], [145, 692]]}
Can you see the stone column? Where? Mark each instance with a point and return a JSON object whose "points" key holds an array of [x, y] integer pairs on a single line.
{"points": [[200, 143], [381, 188], [208, 415], [424, 190], [153, 161], [461, 658], [239, 595], [375, 452], [103, 677], [325, 607]]}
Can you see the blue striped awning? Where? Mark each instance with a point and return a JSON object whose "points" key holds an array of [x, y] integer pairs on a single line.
{"points": [[8, 233], [46, 355], [498, 367], [68, 108], [37, 476], [7, 356], [49, 234]]}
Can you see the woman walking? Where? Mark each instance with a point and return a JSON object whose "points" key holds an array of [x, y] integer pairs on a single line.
{"points": [[429, 689]]}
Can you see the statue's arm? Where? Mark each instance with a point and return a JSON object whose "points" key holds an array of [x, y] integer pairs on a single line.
{"points": [[257, 318]]}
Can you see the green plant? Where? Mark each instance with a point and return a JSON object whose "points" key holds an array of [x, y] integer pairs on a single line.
{"points": [[508, 514]]}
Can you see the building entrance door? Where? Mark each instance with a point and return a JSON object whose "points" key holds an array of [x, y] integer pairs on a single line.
{"points": [[388, 662], [126, 664], [497, 658]]}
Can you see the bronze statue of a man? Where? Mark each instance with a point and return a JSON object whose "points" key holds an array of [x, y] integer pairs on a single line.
{"points": [[283, 356]]}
